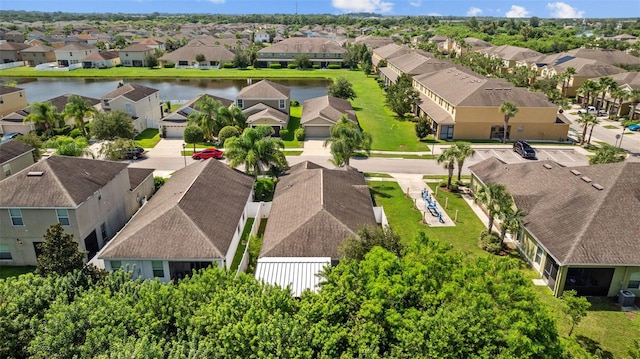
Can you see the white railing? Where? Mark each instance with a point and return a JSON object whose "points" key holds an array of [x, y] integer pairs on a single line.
{"points": [[258, 211], [11, 65]]}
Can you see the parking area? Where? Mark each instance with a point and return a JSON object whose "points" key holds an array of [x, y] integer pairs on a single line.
{"points": [[568, 157]]}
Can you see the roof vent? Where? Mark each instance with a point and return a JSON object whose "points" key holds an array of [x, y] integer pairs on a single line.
{"points": [[586, 179], [547, 166], [598, 186], [576, 172], [35, 174]]}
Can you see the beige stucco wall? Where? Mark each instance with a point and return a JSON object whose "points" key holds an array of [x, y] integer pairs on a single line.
{"points": [[147, 108], [127, 57], [269, 102], [74, 56], [38, 58], [17, 164], [137, 196], [13, 102]]}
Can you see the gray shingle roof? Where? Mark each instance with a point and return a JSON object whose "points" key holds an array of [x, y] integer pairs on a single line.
{"points": [[508, 52], [314, 209], [327, 107], [193, 216], [138, 175], [263, 90], [576, 222], [65, 182], [12, 149], [132, 91], [5, 90], [191, 50], [304, 45], [608, 56]]}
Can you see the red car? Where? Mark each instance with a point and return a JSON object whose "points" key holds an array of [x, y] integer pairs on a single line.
{"points": [[207, 153]]}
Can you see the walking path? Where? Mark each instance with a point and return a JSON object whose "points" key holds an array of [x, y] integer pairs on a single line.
{"points": [[413, 186]]}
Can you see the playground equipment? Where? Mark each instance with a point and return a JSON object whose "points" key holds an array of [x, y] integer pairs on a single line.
{"points": [[430, 205]]}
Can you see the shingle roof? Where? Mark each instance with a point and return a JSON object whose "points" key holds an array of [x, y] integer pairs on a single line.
{"points": [[414, 63], [12, 149], [304, 45], [508, 52], [5, 90], [328, 107], [314, 209], [103, 55], [608, 56], [38, 48], [13, 46], [261, 111], [139, 47], [133, 92], [65, 182], [575, 221], [391, 50], [61, 101], [138, 175], [264, 90], [193, 216], [193, 49], [181, 114], [587, 67], [74, 46], [631, 79]]}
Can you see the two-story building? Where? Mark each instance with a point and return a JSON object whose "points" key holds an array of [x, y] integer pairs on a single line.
{"points": [[38, 55], [92, 200], [141, 102], [11, 52], [102, 60], [265, 103], [198, 54], [321, 52], [14, 157], [135, 55], [173, 124], [11, 99], [73, 53]]}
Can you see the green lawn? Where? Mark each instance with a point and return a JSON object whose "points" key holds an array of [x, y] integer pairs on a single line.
{"points": [[149, 138], [376, 174], [292, 153], [237, 258], [6, 272], [290, 141], [611, 127]]}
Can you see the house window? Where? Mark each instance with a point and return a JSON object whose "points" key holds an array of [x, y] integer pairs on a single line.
{"points": [[634, 280], [538, 258], [71, 54], [128, 108], [103, 231], [63, 216], [115, 265], [7, 170], [281, 104], [240, 103], [5, 253], [16, 216], [158, 269]]}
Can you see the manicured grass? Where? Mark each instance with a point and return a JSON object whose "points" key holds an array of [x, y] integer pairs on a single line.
{"points": [[149, 138], [6, 272], [376, 174], [290, 141], [611, 127], [444, 177], [292, 153], [404, 156], [237, 258], [404, 218]]}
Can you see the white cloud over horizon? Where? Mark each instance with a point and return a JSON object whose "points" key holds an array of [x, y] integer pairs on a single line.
{"points": [[416, 3], [216, 1], [517, 11], [474, 11], [378, 6], [563, 10]]}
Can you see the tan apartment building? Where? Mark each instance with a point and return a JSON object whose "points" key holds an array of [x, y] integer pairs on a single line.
{"points": [[11, 99], [321, 52], [387, 52], [14, 157]]}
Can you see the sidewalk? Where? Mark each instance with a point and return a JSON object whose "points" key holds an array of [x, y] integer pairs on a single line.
{"points": [[413, 185]]}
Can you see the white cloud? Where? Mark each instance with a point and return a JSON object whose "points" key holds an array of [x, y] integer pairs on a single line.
{"points": [[363, 5], [474, 11], [517, 11], [564, 11], [216, 1], [434, 14], [415, 3]]}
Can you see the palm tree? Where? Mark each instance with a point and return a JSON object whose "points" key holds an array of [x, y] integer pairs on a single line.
{"points": [[634, 97], [509, 110], [566, 76], [208, 106], [203, 121], [463, 151], [593, 121], [78, 109], [238, 118], [607, 154], [606, 84], [448, 157], [584, 119], [619, 95], [588, 88], [256, 150], [43, 115], [495, 198], [512, 221], [346, 139]]}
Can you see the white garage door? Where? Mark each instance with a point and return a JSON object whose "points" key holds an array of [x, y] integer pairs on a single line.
{"points": [[175, 131], [317, 131]]}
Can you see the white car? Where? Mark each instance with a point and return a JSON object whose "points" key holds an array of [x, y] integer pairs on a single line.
{"points": [[590, 109]]}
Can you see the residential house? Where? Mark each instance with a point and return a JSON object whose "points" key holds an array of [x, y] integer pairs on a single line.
{"points": [[265, 103], [102, 60], [11, 52], [86, 38], [261, 37], [14, 157], [576, 231], [141, 102], [194, 221], [321, 113], [154, 43], [11, 99], [467, 45], [510, 55], [13, 36], [627, 81], [411, 63], [173, 124], [387, 52], [188, 56], [461, 104], [135, 55], [92, 199], [608, 56], [38, 55], [373, 42], [73, 53], [321, 52], [314, 210]]}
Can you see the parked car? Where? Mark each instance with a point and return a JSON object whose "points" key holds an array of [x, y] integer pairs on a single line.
{"points": [[207, 153], [10, 136], [524, 149], [133, 153], [634, 127], [590, 109], [603, 113]]}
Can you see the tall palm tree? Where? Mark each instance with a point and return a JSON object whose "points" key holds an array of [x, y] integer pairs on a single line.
{"points": [[606, 84], [495, 198], [593, 121], [43, 115], [345, 140], [588, 88], [256, 150], [463, 151], [238, 118], [448, 157], [619, 96], [584, 119], [566, 75], [634, 97], [208, 106], [78, 109], [512, 221], [204, 122], [509, 110]]}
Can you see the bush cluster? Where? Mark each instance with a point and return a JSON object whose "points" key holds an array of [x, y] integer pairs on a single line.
{"points": [[490, 242], [299, 133], [275, 66]]}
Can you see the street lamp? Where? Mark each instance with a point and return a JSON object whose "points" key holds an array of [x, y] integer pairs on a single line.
{"points": [[184, 154]]}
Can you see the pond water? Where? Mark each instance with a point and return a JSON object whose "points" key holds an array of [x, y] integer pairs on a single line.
{"points": [[41, 89]]}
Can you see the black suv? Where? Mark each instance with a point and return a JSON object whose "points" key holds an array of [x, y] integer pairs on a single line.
{"points": [[524, 149], [133, 153]]}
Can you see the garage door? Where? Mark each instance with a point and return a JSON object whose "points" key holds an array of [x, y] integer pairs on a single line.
{"points": [[175, 131], [316, 131]]}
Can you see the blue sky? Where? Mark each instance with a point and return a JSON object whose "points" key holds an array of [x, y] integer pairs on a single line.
{"points": [[494, 8]]}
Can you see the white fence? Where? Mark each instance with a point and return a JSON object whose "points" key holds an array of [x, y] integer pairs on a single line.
{"points": [[11, 65], [53, 66], [381, 217], [258, 211]]}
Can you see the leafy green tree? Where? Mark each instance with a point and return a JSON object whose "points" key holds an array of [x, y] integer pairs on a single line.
{"points": [[606, 84], [302, 61], [193, 134], [44, 116], [345, 140], [158, 182], [116, 150], [448, 158], [111, 125], [341, 88], [401, 97], [634, 97], [422, 127], [588, 88], [68, 146], [59, 254], [566, 78], [151, 60], [496, 199], [575, 307], [78, 109], [241, 60], [634, 350], [228, 132], [201, 59], [607, 154], [256, 150], [463, 150], [33, 140], [357, 247], [592, 121], [508, 110]]}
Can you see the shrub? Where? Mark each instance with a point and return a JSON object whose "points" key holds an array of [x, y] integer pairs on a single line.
{"points": [[316, 67], [169, 65], [490, 242], [334, 66], [284, 133], [158, 182], [292, 66], [75, 133], [299, 133], [263, 188], [227, 132], [295, 103], [454, 187], [227, 65], [275, 66]]}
